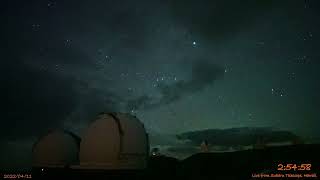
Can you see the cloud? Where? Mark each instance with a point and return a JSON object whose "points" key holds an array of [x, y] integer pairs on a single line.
{"points": [[238, 136], [203, 75], [36, 99], [219, 20], [33, 100]]}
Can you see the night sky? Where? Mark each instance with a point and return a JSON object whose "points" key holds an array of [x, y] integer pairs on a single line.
{"points": [[178, 65]]}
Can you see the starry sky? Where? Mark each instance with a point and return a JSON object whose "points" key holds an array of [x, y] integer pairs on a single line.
{"points": [[178, 65]]}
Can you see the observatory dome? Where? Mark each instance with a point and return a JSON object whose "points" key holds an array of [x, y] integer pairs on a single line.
{"points": [[114, 141], [56, 149]]}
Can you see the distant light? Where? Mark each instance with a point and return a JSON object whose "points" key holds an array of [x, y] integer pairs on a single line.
{"points": [[194, 43]]}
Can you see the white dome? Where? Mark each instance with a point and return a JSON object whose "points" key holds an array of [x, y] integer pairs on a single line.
{"points": [[114, 141], [56, 149]]}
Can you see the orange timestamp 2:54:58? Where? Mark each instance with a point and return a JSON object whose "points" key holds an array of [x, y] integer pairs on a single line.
{"points": [[294, 167]]}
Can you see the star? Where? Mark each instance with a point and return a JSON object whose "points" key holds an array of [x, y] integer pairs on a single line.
{"points": [[292, 75], [35, 27], [67, 42], [310, 34], [108, 58], [51, 4]]}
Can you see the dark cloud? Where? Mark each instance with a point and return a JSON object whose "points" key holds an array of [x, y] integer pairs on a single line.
{"points": [[203, 74], [220, 20], [238, 136], [33, 100], [38, 97], [36, 101]]}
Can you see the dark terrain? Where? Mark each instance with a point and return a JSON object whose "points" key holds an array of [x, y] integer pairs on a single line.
{"points": [[231, 165]]}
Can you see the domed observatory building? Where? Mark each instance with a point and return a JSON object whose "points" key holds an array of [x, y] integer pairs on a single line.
{"points": [[115, 141], [57, 149]]}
